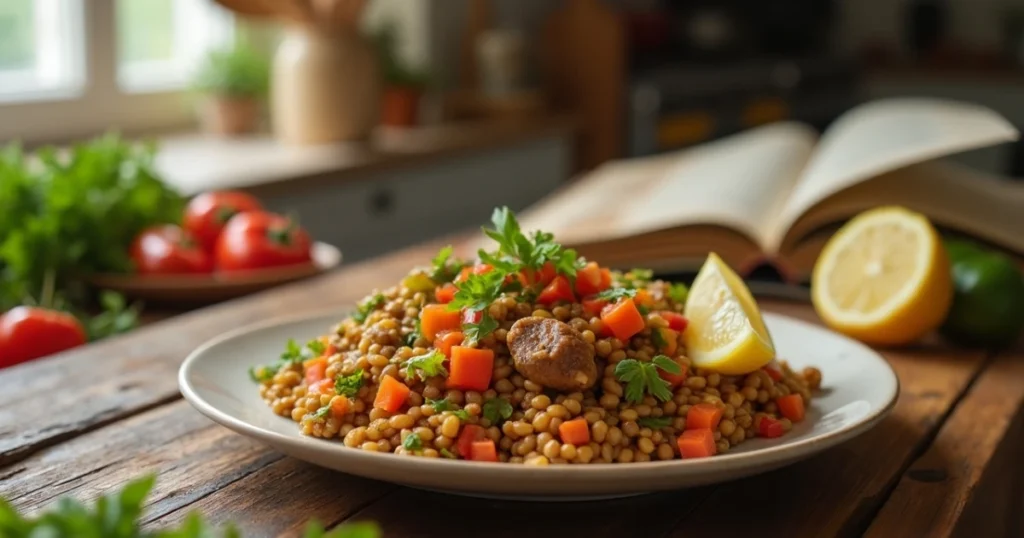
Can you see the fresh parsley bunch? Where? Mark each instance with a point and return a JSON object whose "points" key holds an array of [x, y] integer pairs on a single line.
{"points": [[119, 515]]}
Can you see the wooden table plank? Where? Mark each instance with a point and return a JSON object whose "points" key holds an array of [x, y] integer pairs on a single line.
{"points": [[45, 402], [935, 491]]}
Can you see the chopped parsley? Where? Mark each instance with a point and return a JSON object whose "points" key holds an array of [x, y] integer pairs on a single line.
{"points": [[293, 354], [474, 332], [427, 365], [261, 374], [447, 453], [443, 405], [368, 305], [642, 378], [655, 423], [317, 347], [476, 294], [678, 292], [531, 252], [412, 442], [349, 385], [658, 340], [320, 413], [444, 268], [410, 339], [634, 278], [615, 294], [496, 410]]}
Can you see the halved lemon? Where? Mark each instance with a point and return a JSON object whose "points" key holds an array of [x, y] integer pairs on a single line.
{"points": [[726, 332], [883, 278]]}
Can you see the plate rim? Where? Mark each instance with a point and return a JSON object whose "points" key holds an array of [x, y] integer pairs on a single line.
{"points": [[762, 457]]}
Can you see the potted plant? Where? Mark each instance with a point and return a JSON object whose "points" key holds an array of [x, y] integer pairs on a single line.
{"points": [[403, 84], [232, 82]]}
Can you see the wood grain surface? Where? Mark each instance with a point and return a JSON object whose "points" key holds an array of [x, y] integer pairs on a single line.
{"points": [[85, 422]]}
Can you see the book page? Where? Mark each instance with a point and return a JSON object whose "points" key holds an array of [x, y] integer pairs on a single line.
{"points": [[884, 135], [738, 182]]}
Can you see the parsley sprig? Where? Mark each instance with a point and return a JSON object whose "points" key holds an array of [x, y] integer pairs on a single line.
{"points": [[412, 442], [476, 294], [530, 252], [349, 385], [443, 405], [655, 423], [293, 354], [615, 294], [444, 268], [368, 305], [427, 365], [678, 292], [642, 378], [497, 410]]}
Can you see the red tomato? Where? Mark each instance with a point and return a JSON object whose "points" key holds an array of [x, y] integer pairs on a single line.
{"points": [[257, 239], [770, 428], [590, 280], [28, 332], [207, 214], [558, 290], [167, 249], [472, 316], [676, 321], [446, 293], [544, 276], [593, 306]]}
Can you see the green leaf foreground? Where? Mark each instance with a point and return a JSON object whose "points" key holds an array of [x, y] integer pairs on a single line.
{"points": [[119, 515]]}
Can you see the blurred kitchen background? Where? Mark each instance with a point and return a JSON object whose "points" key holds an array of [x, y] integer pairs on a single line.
{"points": [[386, 122]]}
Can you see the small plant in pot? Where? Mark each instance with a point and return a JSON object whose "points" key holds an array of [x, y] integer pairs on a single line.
{"points": [[404, 85], [232, 82]]}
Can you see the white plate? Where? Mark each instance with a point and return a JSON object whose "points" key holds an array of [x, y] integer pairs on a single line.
{"points": [[859, 389]]}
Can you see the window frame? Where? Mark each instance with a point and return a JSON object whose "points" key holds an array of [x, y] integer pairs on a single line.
{"points": [[100, 103]]}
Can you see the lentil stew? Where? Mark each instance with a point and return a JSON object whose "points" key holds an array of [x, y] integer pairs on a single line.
{"points": [[528, 355]]}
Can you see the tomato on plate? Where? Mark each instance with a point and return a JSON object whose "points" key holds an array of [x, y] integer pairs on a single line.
{"points": [[257, 239], [207, 214], [29, 332], [166, 250]]}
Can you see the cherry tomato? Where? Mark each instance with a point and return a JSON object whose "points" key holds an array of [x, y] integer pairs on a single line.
{"points": [[206, 214], [167, 249], [28, 332], [257, 239]]}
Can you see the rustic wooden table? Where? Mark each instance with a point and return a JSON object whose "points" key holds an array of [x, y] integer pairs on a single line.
{"points": [[80, 424]]}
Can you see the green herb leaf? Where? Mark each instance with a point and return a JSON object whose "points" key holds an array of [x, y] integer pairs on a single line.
{"points": [[292, 352], [616, 294], [642, 378], [412, 442], [316, 347], [667, 364], [349, 385], [441, 405], [478, 291], [474, 332], [116, 318], [261, 374], [641, 275], [497, 410], [657, 339], [531, 252], [444, 268], [655, 423], [368, 305], [447, 453], [428, 365], [678, 292], [320, 413], [461, 414]]}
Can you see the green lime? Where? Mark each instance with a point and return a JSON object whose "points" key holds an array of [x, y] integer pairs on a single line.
{"points": [[988, 305]]}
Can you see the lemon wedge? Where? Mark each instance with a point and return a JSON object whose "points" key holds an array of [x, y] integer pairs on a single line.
{"points": [[883, 278], [726, 332]]}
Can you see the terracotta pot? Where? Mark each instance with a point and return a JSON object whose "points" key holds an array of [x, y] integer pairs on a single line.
{"points": [[400, 107], [324, 87], [227, 115]]}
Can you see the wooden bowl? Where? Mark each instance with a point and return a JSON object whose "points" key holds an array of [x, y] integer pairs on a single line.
{"points": [[218, 286]]}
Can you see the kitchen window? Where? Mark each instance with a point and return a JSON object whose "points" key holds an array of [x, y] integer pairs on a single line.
{"points": [[71, 68]]}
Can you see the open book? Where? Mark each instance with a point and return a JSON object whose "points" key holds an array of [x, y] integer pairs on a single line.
{"points": [[776, 193]]}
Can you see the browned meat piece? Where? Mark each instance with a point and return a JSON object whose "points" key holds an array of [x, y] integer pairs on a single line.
{"points": [[553, 354]]}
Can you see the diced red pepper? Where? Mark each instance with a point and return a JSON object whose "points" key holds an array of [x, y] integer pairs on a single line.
{"points": [[773, 373], [446, 293], [676, 321], [589, 280], [593, 307], [697, 444], [559, 290], [471, 433], [770, 428]]}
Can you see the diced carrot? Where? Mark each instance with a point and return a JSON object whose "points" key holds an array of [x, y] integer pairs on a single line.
{"points": [[773, 373], [593, 307], [435, 318], [575, 432], [606, 278], [770, 428], [316, 369], [676, 321], [471, 368], [446, 340], [623, 319], [322, 387], [483, 451], [558, 290], [472, 316], [391, 395], [674, 379], [339, 408], [697, 444], [791, 406], [464, 274], [703, 416], [470, 434], [670, 341], [644, 298], [588, 279], [446, 293]]}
